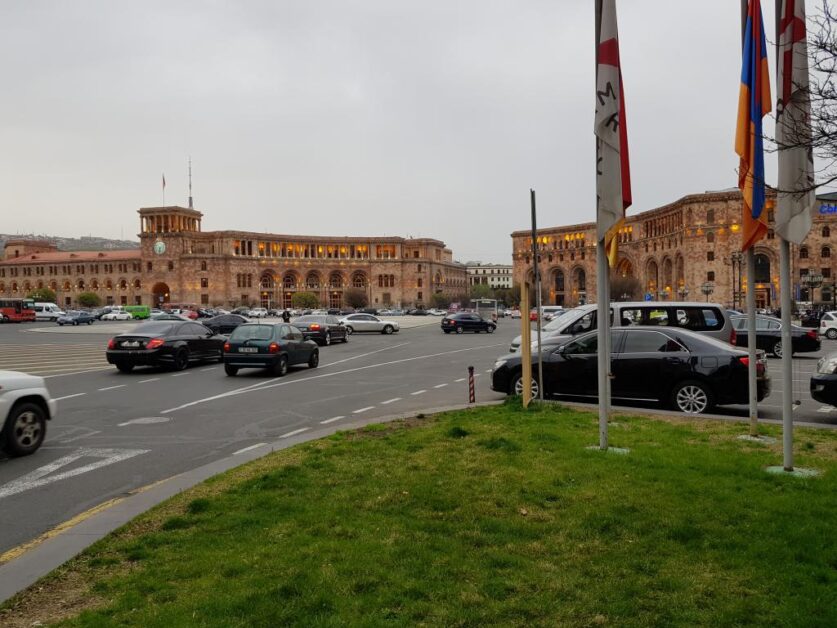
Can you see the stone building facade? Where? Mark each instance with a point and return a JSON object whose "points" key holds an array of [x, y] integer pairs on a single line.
{"points": [[178, 263], [689, 249]]}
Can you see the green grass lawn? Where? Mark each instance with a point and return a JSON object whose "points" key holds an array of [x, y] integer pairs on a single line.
{"points": [[479, 517]]}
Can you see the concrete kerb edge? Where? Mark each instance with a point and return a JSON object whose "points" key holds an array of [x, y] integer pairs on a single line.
{"points": [[39, 561]]}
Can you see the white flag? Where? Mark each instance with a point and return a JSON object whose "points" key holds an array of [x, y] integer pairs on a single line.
{"points": [[793, 112]]}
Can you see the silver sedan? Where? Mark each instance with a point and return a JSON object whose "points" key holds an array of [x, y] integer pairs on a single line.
{"points": [[368, 322]]}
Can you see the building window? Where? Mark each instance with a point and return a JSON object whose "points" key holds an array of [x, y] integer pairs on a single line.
{"points": [[149, 266], [419, 295], [803, 272], [203, 265], [171, 265], [710, 276], [826, 232], [770, 215], [710, 216], [770, 234], [825, 252], [710, 256], [415, 254], [204, 299], [710, 237], [204, 282], [826, 273], [803, 253], [419, 282], [419, 268]]}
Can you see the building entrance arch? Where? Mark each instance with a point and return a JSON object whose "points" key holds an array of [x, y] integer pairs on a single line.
{"points": [[267, 290], [161, 293]]}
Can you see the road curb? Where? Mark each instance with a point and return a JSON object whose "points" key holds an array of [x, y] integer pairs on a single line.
{"points": [[55, 549]]}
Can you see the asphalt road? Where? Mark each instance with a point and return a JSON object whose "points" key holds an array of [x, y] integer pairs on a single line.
{"points": [[118, 432]]}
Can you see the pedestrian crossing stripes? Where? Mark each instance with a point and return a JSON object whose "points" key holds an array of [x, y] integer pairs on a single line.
{"points": [[49, 360]]}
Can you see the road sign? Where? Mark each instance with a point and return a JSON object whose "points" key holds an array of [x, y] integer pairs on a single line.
{"points": [[649, 296]]}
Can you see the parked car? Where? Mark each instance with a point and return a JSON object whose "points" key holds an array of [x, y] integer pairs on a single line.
{"points": [[436, 312], [368, 322], [322, 329], [272, 346], [417, 312], [76, 317], [258, 312], [769, 335], [515, 313], [168, 316], [709, 319], [369, 310], [25, 406], [828, 325], [185, 312], [174, 344], [811, 319], [241, 311], [225, 324], [47, 312], [685, 369], [824, 380], [117, 315], [467, 321]]}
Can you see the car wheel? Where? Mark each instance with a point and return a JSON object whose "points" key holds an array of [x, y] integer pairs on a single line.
{"points": [[388, 329], [327, 339], [490, 329], [349, 330], [280, 369], [459, 330], [75, 323], [230, 370], [517, 386], [831, 334], [314, 360], [90, 322], [60, 324], [125, 368], [691, 397], [447, 331], [181, 359], [345, 337], [777, 349], [25, 429]]}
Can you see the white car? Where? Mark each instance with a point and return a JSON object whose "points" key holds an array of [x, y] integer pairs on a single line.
{"points": [[828, 325], [437, 312], [117, 315], [515, 313], [368, 322], [25, 407], [258, 312]]}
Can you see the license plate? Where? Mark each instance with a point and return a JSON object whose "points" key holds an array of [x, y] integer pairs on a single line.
{"points": [[131, 343], [248, 350]]}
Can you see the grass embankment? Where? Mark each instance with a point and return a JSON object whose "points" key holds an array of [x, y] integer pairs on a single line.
{"points": [[472, 518]]}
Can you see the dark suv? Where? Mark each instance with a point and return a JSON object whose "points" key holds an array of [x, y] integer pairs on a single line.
{"points": [[467, 321]]}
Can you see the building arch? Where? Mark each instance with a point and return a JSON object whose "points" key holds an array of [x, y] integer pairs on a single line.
{"points": [[137, 283], [40, 285], [667, 275], [579, 285], [624, 267], [53, 285], [652, 276], [2, 286], [161, 293], [313, 280], [290, 284], [267, 289], [14, 286], [94, 284], [679, 271], [27, 285], [359, 279], [558, 285], [80, 285], [67, 286], [122, 283]]}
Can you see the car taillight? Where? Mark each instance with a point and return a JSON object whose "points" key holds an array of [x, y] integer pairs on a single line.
{"points": [[112, 343], [745, 361], [314, 326], [155, 343], [273, 348], [227, 347], [812, 334], [733, 338], [759, 364]]}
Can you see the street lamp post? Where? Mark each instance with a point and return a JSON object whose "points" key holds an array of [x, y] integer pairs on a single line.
{"points": [[737, 259], [661, 295], [707, 289], [812, 281], [683, 291]]}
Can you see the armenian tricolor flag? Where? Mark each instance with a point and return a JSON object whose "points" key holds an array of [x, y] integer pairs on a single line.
{"points": [[753, 105]]}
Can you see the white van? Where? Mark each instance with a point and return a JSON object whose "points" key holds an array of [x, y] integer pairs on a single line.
{"points": [[47, 312]]}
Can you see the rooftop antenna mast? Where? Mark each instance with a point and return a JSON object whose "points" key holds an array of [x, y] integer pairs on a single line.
{"points": [[190, 183]]}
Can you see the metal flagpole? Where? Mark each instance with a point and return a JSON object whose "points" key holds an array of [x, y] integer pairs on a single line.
{"points": [[538, 290], [787, 353], [751, 341], [525, 344], [603, 318]]}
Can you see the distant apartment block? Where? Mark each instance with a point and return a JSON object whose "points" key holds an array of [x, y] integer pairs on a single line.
{"points": [[491, 275]]}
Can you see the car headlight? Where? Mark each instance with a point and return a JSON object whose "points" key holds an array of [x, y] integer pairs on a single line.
{"points": [[499, 363], [827, 365]]}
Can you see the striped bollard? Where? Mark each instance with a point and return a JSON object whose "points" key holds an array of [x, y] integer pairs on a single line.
{"points": [[472, 397]]}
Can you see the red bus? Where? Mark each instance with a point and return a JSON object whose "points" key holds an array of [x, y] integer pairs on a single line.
{"points": [[17, 310]]}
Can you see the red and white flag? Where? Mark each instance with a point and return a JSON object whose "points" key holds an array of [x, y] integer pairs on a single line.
{"points": [[613, 175], [796, 196]]}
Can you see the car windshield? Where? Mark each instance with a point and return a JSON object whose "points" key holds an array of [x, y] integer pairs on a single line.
{"points": [[565, 318], [153, 329], [311, 319], [252, 332]]}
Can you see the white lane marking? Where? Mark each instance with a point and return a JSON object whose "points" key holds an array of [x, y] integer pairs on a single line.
{"points": [[477, 374], [103, 368], [250, 448], [41, 476], [211, 368], [69, 396], [267, 386], [332, 420], [295, 432], [145, 381], [826, 409], [461, 379], [358, 411], [440, 385], [79, 437], [488, 370], [418, 392], [112, 387], [389, 401], [179, 374], [146, 420]]}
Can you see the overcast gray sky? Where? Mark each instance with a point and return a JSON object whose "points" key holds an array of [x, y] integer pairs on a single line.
{"points": [[364, 117]]}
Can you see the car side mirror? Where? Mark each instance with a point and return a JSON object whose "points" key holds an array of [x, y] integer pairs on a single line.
{"points": [[561, 349]]}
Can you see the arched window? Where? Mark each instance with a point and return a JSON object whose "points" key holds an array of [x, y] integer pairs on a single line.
{"points": [[803, 253], [359, 280], [826, 232], [203, 265], [825, 252]]}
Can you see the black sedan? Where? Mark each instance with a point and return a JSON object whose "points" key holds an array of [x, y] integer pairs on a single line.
{"points": [[76, 317], [675, 366], [824, 380], [174, 344], [225, 323], [272, 346], [769, 335], [322, 329], [467, 321]]}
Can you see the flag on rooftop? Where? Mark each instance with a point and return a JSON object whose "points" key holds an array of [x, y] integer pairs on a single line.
{"points": [[613, 176], [753, 105]]}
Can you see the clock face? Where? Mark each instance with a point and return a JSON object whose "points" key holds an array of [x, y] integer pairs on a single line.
{"points": [[159, 247]]}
